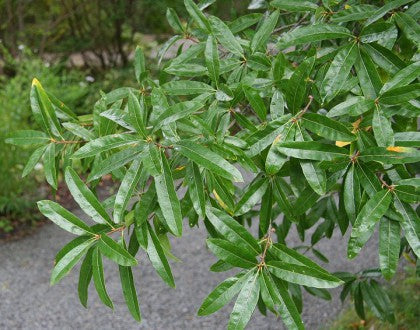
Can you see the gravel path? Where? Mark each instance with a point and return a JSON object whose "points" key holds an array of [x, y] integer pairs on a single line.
{"points": [[28, 302]]}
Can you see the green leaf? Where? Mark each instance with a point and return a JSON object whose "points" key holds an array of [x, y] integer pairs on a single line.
{"points": [[197, 15], [287, 308], [402, 77], [231, 253], [43, 110], [223, 293], [85, 198], [303, 275], [69, 260], [85, 276], [225, 36], [264, 32], [382, 129], [384, 58], [256, 101], [253, 194], [277, 105], [327, 128], [79, 131], [129, 291], [187, 70], [208, 159], [157, 257], [409, 26], [125, 192], [369, 79], [400, 95], [114, 162], [27, 138], [275, 159], [283, 201], [232, 230], [291, 256], [311, 150], [115, 252], [350, 193], [167, 198], [136, 114], [187, 87], [262, 138], [367, 179], [407, 139], [174, 20], [296, 5], [99, 279], [390, 155], [33, 160], [245, 303], [297, 84], [380, 12], [353, 13], [337, 73], [415, 182], [389, 247], [312, 33], [63, 218], [196, 190], [353, 106], [211, 55], [266, 209], [139, 64], [366, 220], [410, 225], [176, 112], [243, 22], [50, 165], [105, 143]]}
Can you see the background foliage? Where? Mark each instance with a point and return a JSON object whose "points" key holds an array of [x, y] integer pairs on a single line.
{"points": [[317, 102]]}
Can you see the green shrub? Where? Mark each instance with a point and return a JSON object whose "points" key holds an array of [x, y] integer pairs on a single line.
{"points": [[316, 103]]}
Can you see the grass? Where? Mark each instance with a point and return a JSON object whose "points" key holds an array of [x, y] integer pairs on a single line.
{"points": [[404, 292]]}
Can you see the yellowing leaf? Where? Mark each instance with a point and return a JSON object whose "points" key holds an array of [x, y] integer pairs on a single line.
{"points": [[398, 149], [341, 143]]}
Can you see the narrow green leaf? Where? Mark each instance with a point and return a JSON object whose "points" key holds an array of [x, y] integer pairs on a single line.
{"points": [[382, 129], [115, 251], [211, 55], [197, 15], [231, 253], [350, 192], [176, 112], [27, 138], [157, 257], [381, 11], [245, 303], [264, 32], [253, 194], [225, 36], [33, 160], [129, 291], [390, 155], [337, 73], [303, 275], [125, 192], [327, 128], [400, 95], [136, 114], [85, 276], [168, 199], [407, 139], [243, 22], [105, 143], [402, 77], [209, 160], [99, 279], [85, 198], [384, 58], [311, 150], [174, 20], [389, 247], [296, 5], [369, 79], [223, 293], [139, 64], [409, 26], [366, 220], [410, 225], [196, 190], [232, 230], [49, 165], [312, 33], [63, 218], [69, 260], [256, 101], [353, 106]]}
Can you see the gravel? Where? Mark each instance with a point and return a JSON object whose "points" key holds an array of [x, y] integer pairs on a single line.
{"points": [[28, 302]]}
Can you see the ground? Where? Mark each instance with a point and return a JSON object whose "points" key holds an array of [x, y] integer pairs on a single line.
{"points": [[28, 301]]}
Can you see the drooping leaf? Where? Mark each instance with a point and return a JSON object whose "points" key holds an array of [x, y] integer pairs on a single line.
{"points": [[115, 252], [231, 253], [389, 247], [99, 278]]}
